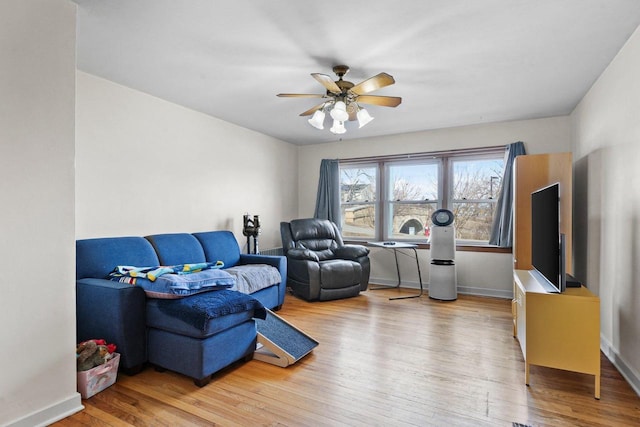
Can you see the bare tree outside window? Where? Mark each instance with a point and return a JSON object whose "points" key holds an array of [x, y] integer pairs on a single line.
{"points": [[400, 207], [358, 197], [476, 185], [413, 198]]}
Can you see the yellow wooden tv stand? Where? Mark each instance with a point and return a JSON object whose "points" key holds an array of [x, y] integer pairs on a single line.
{"points": [[557, 330]]}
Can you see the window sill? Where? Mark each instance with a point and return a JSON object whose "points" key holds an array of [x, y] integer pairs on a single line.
{"points": [[481, 248], [461, 248]]}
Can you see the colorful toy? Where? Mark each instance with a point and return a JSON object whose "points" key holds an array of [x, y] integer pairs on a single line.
{"points": [[93, 353]]}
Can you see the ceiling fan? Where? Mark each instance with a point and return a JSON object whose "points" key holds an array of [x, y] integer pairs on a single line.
{"points": [[344, 99]]}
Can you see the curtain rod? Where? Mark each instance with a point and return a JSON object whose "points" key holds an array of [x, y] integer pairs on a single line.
{"points": [[423, 155]]}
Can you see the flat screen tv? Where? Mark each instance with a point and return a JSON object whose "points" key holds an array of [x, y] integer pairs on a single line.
{"points": [[547, 243]]}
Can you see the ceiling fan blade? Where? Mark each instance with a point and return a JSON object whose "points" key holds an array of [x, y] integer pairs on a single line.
{"points": [[385, 101], [310, 111], [327, 82], [373, 83], [301, 95]]}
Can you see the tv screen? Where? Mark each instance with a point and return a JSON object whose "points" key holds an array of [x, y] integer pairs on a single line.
{"points": [[547, 254]]}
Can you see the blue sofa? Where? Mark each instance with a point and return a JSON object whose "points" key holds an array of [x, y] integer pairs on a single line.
{"points": [[148, 329]]}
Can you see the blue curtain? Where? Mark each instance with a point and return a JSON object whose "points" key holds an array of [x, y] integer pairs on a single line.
{"points": [[502, 230], [328, 199]]}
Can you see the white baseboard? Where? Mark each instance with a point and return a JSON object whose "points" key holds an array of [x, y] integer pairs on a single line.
{"points": [[467, 290], [483, 292], [627, 372], [51, 414]]}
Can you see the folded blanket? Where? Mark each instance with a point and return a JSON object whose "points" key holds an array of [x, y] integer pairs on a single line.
{"points": [[197, 310], [251, 278], [152, 273], [176, 281]]}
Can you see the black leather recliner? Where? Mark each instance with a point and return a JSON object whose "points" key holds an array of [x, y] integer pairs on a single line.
{"points": [[319, 265]]}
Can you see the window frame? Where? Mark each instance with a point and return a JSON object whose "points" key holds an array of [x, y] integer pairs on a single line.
{"points": [[387, 204], [375, 203], [451, 201], [383, 229]]}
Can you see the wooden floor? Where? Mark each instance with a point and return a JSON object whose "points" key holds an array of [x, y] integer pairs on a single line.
{"points": [[413, 362]]}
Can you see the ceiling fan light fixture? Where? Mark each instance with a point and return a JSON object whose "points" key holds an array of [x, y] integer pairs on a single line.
{"points": [[339, 111], [342, 99], [338, 127], [317, 120], [363, 117]]}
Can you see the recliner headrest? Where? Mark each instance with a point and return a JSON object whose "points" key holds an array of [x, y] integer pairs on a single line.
{"points": [[312, 229]]}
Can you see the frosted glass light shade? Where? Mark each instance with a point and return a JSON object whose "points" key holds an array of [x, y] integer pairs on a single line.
{"points": [[363, 117], [339, 111], [338, 127], [317, 120]]}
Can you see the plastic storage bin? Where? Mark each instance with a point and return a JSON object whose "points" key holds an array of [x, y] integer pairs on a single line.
{"points": [[97, 379]]}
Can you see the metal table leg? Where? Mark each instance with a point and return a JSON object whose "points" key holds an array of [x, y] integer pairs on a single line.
{"points": [[415, 253], [395, 254]]}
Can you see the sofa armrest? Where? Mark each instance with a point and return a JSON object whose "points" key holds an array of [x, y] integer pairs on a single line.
{"points": [[116, 312], [276, 261], [352, 252], [279, 262]]}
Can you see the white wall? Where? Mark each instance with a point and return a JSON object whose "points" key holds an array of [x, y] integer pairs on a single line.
{"points": [[145, 166], [478, 272], [37, 308], [131, 179], [606, 139]]}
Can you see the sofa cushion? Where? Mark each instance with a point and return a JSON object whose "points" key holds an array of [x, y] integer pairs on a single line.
{"points": [[96, 258], [220, 246], [205, 314], [177, 248], [157, 318], [173, 286]]}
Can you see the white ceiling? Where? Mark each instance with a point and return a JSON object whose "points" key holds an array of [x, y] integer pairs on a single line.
{"points": [[455, 62]]}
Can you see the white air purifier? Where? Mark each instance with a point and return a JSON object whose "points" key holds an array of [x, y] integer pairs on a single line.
{"points": [[443, 280]]}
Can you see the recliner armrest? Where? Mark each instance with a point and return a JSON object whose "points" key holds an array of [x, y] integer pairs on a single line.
{"points": [[351, 252], [303, 254]]}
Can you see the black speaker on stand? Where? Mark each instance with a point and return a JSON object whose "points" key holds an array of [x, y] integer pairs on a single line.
{"points": [[251, 228]]}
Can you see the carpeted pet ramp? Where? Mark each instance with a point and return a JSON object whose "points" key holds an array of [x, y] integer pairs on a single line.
{"points": [[280, 343]]}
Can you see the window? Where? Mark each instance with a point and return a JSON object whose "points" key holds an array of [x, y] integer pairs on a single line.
{"points": [[475, 187], [358, 197], [412, 196], [392, 198]]}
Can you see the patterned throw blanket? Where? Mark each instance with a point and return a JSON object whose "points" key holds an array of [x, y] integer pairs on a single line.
{"points": [[152, 273]]}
